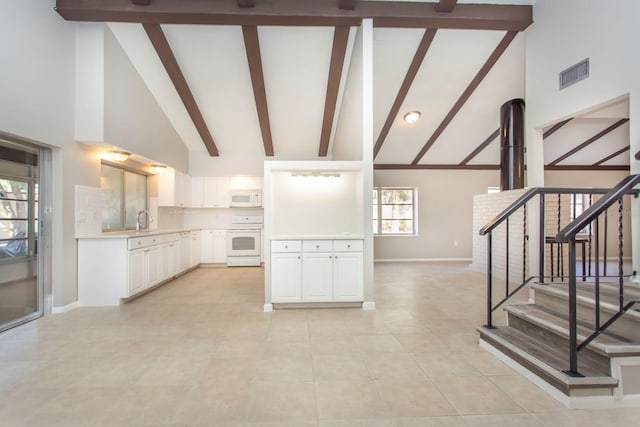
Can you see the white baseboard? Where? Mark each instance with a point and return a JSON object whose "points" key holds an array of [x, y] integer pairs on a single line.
{"points": [[268, 308], [422, 260], [368, 305], [65, 308]]}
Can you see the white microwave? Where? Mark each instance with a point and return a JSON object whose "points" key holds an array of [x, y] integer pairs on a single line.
{"points": [[246, 198]]}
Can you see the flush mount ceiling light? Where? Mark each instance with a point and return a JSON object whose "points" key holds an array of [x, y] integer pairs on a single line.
{"points": [[119, 156], [412, 117], [157, 168]]}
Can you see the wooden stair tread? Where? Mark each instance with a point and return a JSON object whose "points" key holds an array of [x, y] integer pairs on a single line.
{"points": [[543, 360], [586, 295], [558, 323]]}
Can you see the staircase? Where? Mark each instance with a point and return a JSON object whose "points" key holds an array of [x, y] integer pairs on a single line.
{"points": [[578, 339]]}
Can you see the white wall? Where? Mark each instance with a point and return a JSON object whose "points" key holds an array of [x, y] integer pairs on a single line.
{"points": [[133, 119], [37, 88], [563, 33], [445, 212]]}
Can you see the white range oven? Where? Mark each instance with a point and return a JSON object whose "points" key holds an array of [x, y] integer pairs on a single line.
{"points": [[244, 241]]}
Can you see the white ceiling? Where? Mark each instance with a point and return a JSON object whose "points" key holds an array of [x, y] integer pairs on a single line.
{"points": [[295, 63]]}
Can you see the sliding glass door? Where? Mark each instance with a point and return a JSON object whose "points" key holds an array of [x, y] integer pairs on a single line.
{"points": [[21, 295]]}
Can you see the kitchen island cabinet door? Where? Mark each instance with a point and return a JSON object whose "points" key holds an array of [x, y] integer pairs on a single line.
{"points": [[347, 277], [317, 277], [286, 277]]}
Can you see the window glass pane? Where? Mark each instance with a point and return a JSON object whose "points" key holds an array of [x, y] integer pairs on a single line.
{"points": [[397, 211], [397, 196], [14, 190], [375, 212], [375, 197], [136, 198], [375, 226], [14, 209], [401, 226], [111, 185]]}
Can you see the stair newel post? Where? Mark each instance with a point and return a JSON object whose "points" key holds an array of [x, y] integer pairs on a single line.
{"points": [[620, 247], [506, 269], [573, 311], [489, 279], [541, 241], [596, 228]]}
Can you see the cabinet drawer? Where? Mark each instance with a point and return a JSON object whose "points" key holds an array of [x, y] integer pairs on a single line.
{"points": [[286, 246], [317, 246], [348, 245], [143, 242], [171, 237]]}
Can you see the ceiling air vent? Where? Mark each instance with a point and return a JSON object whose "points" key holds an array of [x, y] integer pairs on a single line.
{"points": [[574, 74]]}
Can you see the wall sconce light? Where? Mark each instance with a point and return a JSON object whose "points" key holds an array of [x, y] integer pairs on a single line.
{"points": [[411, 117], [157, 168], [119, 156]]}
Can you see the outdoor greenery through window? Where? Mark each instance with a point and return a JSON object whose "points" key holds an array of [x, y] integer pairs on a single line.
{"points": [[394, 211], [15, 213], [124, 194]]}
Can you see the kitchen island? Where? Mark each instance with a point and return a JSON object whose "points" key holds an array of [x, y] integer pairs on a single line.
{"points": [[114, 267]]}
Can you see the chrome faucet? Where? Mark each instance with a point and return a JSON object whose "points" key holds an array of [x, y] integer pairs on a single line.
{"points": [[149, 217]]}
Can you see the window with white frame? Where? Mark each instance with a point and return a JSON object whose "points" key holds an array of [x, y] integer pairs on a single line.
{"points": [[395, 211], [124, 194]]}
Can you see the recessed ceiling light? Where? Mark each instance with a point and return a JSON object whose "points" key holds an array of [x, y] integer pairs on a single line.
{"points": [[157, 168], [412, 117]]}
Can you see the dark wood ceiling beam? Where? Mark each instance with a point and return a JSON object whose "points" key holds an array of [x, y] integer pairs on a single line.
{"points": [[161, 45], [589, 141], [347, 4], [446, 6], [600, 168], [252, 46], [611, 156], [434, 167], [246, 3], [493, 58], [418, 58], [300, 13], [637, 156], [555, 128], [338, 51], [481, 147]]}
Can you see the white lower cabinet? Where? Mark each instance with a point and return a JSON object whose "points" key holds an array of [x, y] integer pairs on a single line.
{"points": [[112, 268], [185, 251], [316, 271], [286, 277], [194, 252], [213, 247]]}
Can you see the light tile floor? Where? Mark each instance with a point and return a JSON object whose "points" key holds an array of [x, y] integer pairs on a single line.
{"points": [[199, 351]]}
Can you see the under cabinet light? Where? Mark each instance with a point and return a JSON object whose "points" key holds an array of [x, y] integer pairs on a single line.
{"points": [[327, 174], [157, 168], [119, 156]]}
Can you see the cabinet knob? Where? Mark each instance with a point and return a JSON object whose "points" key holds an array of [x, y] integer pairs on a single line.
{"points": [[317, 246], [348, 246], [298, 256], [286, 246]]}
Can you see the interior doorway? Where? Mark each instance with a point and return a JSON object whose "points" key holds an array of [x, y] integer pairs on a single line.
{"points": [[21, 218]]}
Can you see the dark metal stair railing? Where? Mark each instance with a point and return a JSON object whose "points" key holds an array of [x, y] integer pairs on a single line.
{"points": [[504, 216], [568, 235]]}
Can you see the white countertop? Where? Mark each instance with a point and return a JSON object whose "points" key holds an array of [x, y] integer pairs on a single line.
{"points": [[127, 234], [317, 237]]}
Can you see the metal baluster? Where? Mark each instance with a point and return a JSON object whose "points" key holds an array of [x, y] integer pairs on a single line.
{"points": [[489, 303], [541, 241], [620, 244], [524, 243], [590, 235], [597, 267], [506, 283], [573, 317], [560, 254], [606, 239]]}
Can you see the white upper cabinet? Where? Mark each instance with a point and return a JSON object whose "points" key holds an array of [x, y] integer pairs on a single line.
{"points": [[242, 182], [174, 189], [210, 192]]}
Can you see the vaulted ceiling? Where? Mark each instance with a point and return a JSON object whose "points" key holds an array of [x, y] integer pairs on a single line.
{"points": [[247, 76]]}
